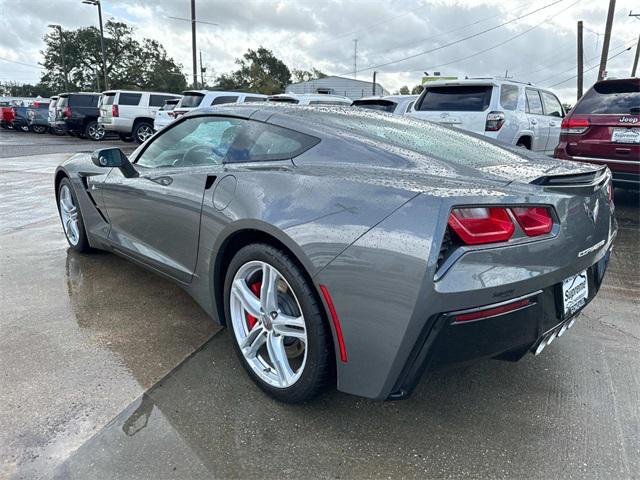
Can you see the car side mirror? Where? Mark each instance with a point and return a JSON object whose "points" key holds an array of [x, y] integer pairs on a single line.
{"points": [[113, 158]]}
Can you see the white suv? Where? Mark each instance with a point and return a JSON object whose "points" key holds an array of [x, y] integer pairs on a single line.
{"points": [[131, 113], [511, 112], [192, 99], [310, 99]]}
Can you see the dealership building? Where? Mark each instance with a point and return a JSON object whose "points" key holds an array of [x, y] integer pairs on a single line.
{"points": [[334, 85]]}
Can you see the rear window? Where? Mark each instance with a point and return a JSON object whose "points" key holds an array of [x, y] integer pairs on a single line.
{"points": [[509, 97], [191, 100], [129, 98], [455, 98], [158, 100], [380, 105], [169, 105], [62, 102], [328, 102], [613, 97], [83, 100], [108, 98], [284, 100], [53, 103], [224, 99], [254, 99]]}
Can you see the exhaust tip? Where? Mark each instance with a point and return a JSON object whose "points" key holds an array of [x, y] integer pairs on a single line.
{"points": [[571, 322], [552, 337], [541, 346], [562, 330]]}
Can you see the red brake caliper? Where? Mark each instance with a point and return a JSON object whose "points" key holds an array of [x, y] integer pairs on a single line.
{"points": [[255, 288]]}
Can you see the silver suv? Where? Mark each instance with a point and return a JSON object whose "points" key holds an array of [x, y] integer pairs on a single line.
{"points": [[131, 113], [511, 112]]}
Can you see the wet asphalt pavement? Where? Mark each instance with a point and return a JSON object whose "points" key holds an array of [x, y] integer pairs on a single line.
{"points": [[107, 371]]}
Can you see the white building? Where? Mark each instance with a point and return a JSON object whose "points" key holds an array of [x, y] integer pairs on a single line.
{"points": [[334, 85]]}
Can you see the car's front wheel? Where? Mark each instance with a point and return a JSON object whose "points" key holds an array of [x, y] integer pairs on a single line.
{"points": [[38, 128], [71, 217], [280, 335]]}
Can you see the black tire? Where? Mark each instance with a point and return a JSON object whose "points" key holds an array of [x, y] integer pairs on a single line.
{"points": [[56, 131], [93, 131], [141, 131], [38, 128], [82, 245], [125, 138], [522, 144], [6, 127], [319, 368]]}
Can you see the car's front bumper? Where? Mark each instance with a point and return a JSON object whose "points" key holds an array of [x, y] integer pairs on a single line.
{"points": [[507, 336]]}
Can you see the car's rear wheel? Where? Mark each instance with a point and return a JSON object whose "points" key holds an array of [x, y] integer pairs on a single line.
{"points": [[280, 335], [94, 131], [38, 128], [71, 217], [142, 131]]}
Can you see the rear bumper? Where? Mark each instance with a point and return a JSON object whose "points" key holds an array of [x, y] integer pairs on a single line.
{"points": [[507, 336], [626, 173], [116, 124]]}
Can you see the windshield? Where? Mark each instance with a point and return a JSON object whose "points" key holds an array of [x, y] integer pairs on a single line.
{"points": [[614, 97], [455, 98], [191, 100], [423, 137]]}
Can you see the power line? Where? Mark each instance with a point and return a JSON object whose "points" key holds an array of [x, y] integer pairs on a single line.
{"points": [[22, 63], [409, 57], [595, 66], [431, 67]]}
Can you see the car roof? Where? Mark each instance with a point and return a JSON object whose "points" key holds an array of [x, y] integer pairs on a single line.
{"points": [[395, 98], [223, 92], [106, 92], [314, 96]]}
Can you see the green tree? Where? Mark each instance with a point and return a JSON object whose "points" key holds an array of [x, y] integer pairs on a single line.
{"points": [[417, 90], [404, 90], [306, 75], [14, 89], [259, 71], [130, 63]]}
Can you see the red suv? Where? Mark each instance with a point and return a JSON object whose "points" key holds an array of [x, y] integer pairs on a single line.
{"points": [[604, 128]]}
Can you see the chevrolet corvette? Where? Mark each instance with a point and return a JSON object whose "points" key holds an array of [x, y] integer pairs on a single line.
{"points": [[348, 248]]}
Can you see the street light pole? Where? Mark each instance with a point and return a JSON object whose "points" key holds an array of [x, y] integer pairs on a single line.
{"points": [[104, 57], [64, 65], [193, 43]]}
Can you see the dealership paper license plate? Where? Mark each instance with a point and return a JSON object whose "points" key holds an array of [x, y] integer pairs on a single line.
{"points": [[575, 291], [625, 135]]}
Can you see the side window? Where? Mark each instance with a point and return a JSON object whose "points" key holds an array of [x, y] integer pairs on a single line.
{"points": [[129, 98], [551, 105], [534, 104], [254, 99], [265, 142], [196, 141], [409, 107], [158, 100], [509, 97], [224, 99]]}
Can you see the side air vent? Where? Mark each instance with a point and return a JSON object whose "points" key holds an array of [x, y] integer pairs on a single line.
{"points": [[589, 179]]}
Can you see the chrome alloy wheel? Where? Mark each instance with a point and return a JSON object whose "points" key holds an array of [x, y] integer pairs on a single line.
{"points": [[96, 132], [268, 324], [69, 214], [144, 132]]}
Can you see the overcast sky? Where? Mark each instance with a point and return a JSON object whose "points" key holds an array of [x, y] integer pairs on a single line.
{"points": [[319, 33]]}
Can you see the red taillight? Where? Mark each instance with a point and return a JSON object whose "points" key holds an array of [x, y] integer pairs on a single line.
{"points": [[67, 112], [491, 311], [495, 120], [115, 112], [533, 220], [575, 126], [481, 225]]}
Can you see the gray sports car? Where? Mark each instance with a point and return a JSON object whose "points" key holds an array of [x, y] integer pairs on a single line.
{"points": [[350, 248]]}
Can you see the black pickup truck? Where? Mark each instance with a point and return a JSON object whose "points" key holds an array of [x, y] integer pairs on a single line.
{"points": [[77, 114]]}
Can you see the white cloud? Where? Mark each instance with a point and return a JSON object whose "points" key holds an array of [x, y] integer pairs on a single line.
{"points": [[320, 34]]}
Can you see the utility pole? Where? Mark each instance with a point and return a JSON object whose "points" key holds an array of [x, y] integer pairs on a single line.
{"points": [[355, 57], [635, 60], [193, 43], [202, 70], [580, 62], [374, 82], [607, 39], [64, 64], [96, 3]]}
